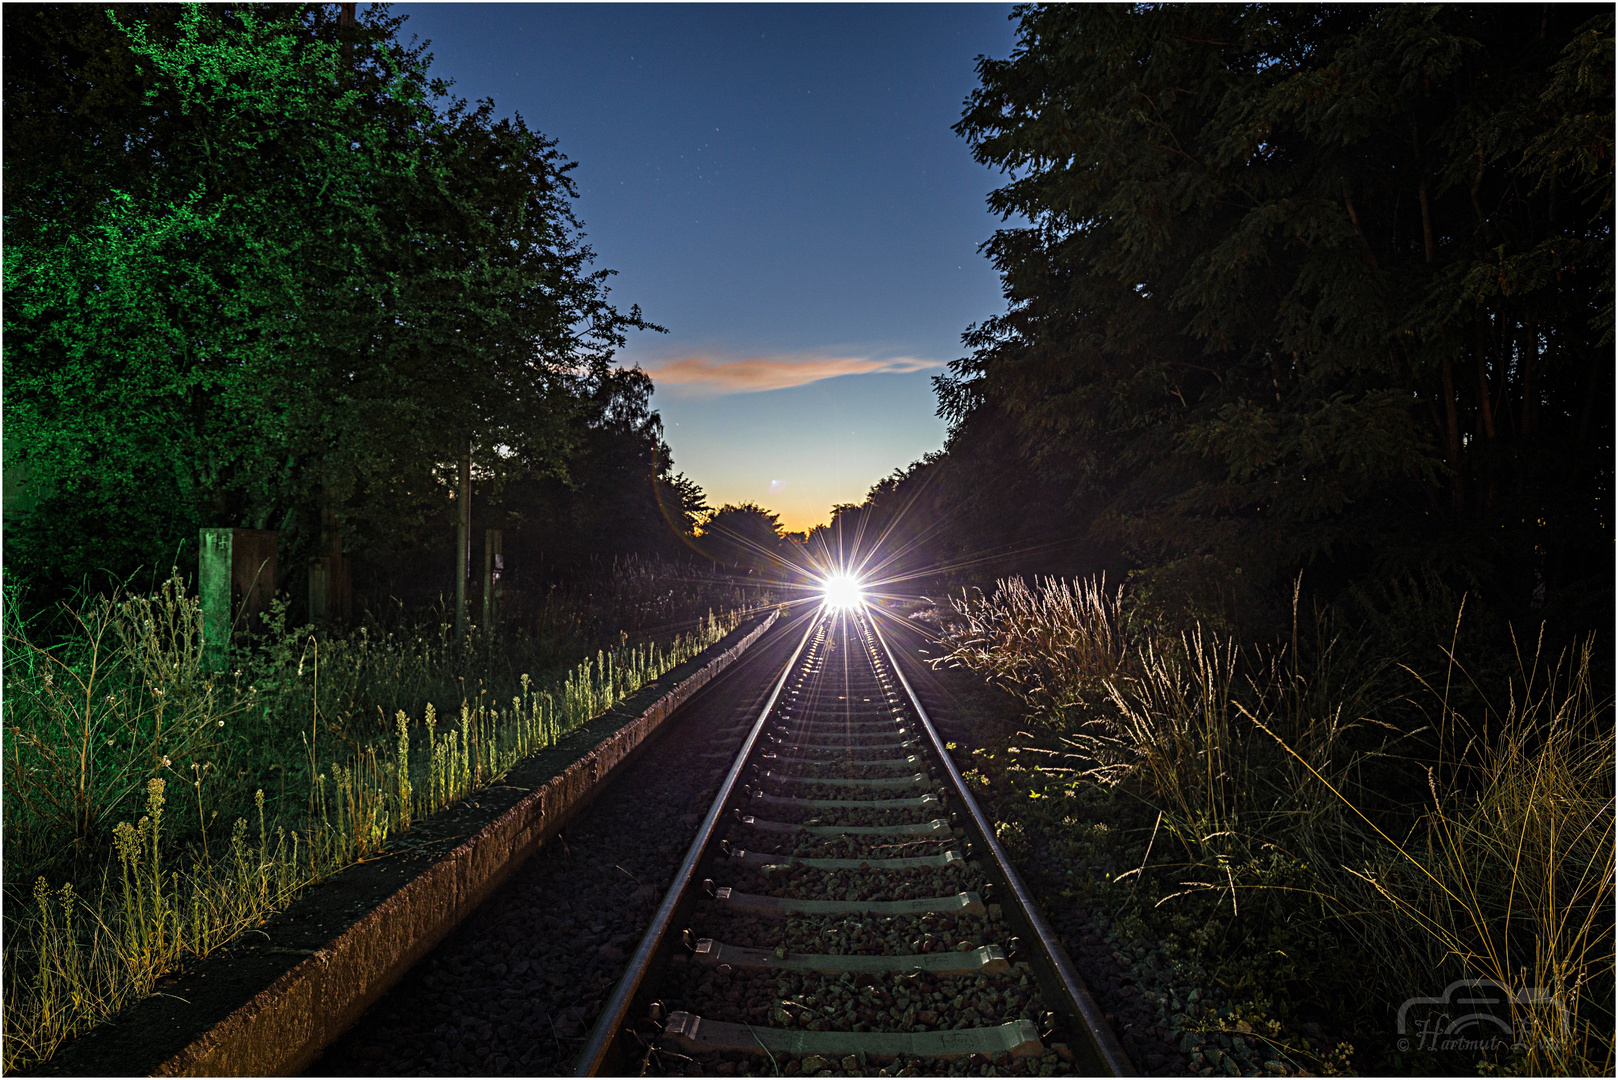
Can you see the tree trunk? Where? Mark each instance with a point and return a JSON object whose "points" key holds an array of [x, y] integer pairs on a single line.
{"points": [[1426, 223], [1530, 378], [1589, 397], [1485, 406]]}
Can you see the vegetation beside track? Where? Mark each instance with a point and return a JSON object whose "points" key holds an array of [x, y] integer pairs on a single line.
{"points": [[1286, 842], [155, 811]]}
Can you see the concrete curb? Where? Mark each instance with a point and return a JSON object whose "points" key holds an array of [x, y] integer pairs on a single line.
{"points": [[284, 1027]]}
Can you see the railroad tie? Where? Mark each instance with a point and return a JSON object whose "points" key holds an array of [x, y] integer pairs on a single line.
{"points": [[983, 960], [914, 862], [911, 761], [962, 903], [695, 1035], [927, 801], [936, 827], [913, 780]]}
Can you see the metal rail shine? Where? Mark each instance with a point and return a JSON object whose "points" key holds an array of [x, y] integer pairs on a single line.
{"points": [[1106, 1044], [1102, 1054], [613, 1014]]}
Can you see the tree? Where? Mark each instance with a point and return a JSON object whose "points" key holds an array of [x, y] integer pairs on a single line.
{"points": [[1321, 286], [744, 537], [618, 496], [256, 263]]}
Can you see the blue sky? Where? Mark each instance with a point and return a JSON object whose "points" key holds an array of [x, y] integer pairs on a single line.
{"points": [[778, 185]]}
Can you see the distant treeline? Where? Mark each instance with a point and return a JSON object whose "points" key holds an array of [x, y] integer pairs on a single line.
{"points": [[1289, 288], [263, 272]]}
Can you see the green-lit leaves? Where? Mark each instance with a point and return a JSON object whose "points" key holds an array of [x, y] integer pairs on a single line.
{"points": [[300, 276]]}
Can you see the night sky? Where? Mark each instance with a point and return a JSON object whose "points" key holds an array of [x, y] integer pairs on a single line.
{"points": [[780, 188]]}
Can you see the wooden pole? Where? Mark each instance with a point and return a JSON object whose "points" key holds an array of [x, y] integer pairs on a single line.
{"points": [[463, 542]]}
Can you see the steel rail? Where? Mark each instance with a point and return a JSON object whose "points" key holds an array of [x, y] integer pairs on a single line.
{"points": [[1093, 1041], [1108, 1050], [613, 1014]]}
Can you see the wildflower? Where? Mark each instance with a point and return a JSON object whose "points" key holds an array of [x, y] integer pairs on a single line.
{"points": [[221, 723], [166, 763]]}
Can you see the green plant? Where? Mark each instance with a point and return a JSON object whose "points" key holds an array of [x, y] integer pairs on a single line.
{"points": [[1339, 817], [86, 726], [168, 892], [1052, 644], [1513, 881]]}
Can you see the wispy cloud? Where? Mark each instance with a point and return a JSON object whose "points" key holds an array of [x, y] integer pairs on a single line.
{"points": [[748, 375]]}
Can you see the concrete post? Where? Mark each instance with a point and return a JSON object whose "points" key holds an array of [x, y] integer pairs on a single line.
{"points": [[213, 589], [235, 582]]}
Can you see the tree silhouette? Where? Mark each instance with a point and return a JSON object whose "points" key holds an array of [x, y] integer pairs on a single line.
{"points": [[1323, 287]]}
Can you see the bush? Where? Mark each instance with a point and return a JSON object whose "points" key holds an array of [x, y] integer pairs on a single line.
{"points": [[89, 723], [1437, 823]]}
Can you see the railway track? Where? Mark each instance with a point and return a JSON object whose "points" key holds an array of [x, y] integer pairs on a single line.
{"points": [[845, 907]]}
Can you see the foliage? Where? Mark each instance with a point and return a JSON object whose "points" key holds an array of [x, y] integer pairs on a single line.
{"points": [[257, 263], [1053, 644], [1320, 286], [1327, 819], [620, 494], [314, 792], [745, 537], [87, 728]]}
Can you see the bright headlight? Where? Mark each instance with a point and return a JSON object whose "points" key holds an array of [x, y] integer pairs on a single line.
{"points": [[842, 591]]}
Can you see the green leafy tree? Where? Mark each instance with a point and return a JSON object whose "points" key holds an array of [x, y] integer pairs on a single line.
{"points": [[1306, 286], [619, 496], [256, 263]]}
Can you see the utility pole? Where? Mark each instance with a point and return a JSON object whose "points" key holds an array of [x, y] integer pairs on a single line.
{"points": [[463, 542]]}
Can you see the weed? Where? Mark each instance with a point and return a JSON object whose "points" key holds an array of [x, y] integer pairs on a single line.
{"points": [[108, 735], [1340, 818]]}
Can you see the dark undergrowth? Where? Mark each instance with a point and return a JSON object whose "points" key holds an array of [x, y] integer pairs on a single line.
{"points": [[1399, 802]]}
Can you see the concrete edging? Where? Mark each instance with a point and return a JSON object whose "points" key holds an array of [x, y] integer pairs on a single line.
{"points": [[284, 1027]]}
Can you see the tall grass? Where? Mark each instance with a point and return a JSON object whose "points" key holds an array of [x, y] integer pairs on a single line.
{"points": [[1320, 778], [1052, 644], [1512, 880], [126, 725], [87, 726]]}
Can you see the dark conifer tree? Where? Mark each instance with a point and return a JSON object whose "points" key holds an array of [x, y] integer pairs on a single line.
{"points": [[1306, 287]]}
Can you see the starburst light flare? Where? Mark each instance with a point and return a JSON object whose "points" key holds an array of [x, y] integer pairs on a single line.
{"points": [[841, 591]]}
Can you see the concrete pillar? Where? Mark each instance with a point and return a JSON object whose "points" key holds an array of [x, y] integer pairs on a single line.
{"points": [[235, 582], [330, 597]]}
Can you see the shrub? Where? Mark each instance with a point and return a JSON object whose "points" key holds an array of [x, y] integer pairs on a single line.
{"points": [[1435, 830], [124, 745]]}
